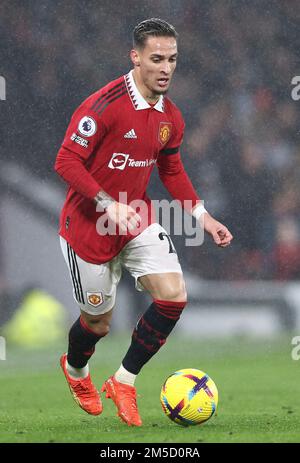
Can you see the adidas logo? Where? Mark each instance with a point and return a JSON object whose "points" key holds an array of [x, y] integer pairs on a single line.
{"points": [[130, 134]]}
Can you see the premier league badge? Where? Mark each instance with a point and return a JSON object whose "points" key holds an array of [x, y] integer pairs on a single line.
{"points": [[87, 126]]}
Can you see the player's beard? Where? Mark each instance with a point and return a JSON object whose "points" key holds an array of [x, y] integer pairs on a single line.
{"points": [[157, 93], [162, 92]]}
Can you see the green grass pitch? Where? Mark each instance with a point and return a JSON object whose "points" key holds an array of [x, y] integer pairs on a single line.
{"points": [[258, 385]]}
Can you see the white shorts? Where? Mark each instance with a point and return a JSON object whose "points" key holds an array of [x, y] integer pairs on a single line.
{"points": [[94, 286]]}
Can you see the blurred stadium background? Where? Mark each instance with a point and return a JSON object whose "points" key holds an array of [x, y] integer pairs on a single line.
{"points": [[241, 148]]}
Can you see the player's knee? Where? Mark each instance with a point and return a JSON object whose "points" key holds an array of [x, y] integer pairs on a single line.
{"points": [[175, 293], [99, 325]]}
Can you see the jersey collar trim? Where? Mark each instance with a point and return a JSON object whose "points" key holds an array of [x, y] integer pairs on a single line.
{"points": [[137, 99]]}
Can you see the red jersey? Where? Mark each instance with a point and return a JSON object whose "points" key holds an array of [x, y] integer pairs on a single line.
{"points": [[114, 140]]}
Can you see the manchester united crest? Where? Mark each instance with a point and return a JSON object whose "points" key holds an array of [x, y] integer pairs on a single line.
{"points": [[164, 133], [94, 299]]}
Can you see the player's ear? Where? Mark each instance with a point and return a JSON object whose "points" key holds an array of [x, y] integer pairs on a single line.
{"points": [[134, 56]]}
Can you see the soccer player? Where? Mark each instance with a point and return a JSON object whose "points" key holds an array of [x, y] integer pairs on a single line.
{"points": [[114, 139]]}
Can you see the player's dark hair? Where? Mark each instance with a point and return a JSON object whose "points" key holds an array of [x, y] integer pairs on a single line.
{"points": [[152, 27]]}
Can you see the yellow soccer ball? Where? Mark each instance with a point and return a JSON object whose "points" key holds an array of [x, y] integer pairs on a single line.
{"points": [[189, 397]]}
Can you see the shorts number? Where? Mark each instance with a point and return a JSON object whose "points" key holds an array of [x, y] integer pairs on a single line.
{"points": [[172, 249]]}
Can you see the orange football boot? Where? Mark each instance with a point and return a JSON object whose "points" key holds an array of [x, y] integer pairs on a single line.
{"points": [[83, 391], [124, 396]]}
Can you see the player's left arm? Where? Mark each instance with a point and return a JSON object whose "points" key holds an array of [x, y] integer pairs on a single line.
{"points": [[219, 233], [177, 182]]}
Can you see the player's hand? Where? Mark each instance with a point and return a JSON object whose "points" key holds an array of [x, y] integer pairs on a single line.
{"points": [[220, 234], [123, 215]]}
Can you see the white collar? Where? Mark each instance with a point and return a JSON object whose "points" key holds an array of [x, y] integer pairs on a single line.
{"points": [[137, 99]]}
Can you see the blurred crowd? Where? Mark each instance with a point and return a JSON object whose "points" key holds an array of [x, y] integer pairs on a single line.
{"points": [[233, 85]]}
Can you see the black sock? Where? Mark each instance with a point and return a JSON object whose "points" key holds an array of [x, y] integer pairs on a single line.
{"points": [[82, 343], [151, 333]]}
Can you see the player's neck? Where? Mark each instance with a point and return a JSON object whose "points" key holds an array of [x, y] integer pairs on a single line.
{"points": [[151, 98]]}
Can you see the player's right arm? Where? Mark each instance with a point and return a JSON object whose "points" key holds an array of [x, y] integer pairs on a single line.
{"points": [[83, 136]]}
